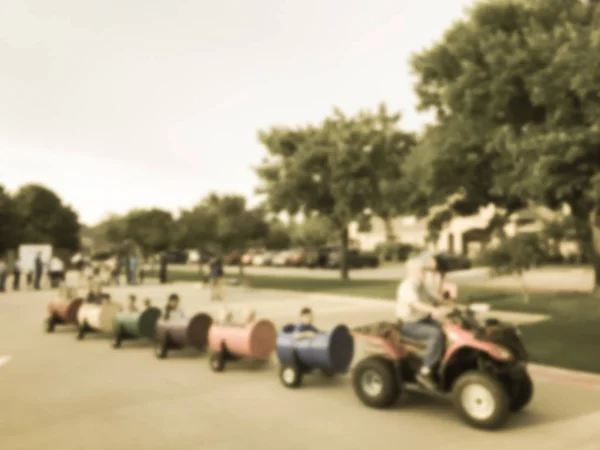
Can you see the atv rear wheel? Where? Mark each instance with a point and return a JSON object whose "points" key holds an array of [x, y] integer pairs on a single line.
{"points": [[481, 400], [521, 392], [290, 376], [376, 383]]}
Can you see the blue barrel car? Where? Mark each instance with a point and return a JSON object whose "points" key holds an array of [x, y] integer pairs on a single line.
{"points": [[331, 353]]}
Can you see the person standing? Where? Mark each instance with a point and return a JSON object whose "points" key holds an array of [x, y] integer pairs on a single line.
{"points": [[39, 270], [2, 275], [56, 271], [216, 276], [115, 271], [17, 275], [134, 268], [162, 273]]}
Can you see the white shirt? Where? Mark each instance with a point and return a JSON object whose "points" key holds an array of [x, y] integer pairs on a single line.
{"points": [[411, 291], [56, 265]]}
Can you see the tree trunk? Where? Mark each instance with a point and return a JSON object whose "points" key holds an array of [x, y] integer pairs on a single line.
{"points": [[390, 237], [524, 289], [344, 241], [587, 230], [594, 223]]}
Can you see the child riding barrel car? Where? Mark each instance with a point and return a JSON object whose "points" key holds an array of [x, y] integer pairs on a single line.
{"points": [[445, 349]]}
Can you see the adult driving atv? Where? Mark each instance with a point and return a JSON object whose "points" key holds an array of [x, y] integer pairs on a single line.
{"points": [[482, 366]]}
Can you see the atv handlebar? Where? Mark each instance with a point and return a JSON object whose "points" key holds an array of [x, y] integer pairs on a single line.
{"points": [[465, 317]]}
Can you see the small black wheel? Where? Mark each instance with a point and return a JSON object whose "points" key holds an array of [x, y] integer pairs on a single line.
{"points": [[81, 332], [290, 376], [118, 339], [217, 362], [50, 325], [161, 349], [481, 400], [376, 382], [521, 392]]}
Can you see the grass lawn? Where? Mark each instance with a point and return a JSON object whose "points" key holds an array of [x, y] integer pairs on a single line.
{"points": [[570, 339]]}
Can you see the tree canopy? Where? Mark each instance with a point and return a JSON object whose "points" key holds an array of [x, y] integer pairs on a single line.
{"points": [[515, 90], [337, 169], [36, 215]]}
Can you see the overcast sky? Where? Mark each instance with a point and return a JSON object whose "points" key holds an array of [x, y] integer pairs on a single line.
{"points": [[123, 103]]}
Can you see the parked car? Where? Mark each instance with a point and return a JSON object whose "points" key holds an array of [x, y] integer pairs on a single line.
{"points": [[176, 257], [263, 259], [193, 256], [281, 259], [311, 258], [450, 262], [248, 257], [323, 256], [370, 260], [296, 258], [232, 258], [356, 260]]}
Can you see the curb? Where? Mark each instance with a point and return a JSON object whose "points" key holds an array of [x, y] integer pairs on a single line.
{"points": [[558, 375]]}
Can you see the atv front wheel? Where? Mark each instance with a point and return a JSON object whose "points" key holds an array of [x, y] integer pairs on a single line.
{"points": [[375, 382], [481, 400], [521, 392]]}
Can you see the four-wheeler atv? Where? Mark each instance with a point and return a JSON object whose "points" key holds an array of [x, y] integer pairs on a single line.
{"points": [[483, 368]]}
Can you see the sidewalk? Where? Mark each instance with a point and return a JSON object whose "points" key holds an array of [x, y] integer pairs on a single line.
{"points": [[562, 279]]}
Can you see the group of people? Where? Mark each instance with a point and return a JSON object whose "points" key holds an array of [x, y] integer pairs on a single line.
{"points": [[54, 269], [172, 310]]}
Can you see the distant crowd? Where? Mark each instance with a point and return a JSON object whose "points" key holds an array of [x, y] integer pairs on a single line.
{"points": [[54, 270], [115, 271]]}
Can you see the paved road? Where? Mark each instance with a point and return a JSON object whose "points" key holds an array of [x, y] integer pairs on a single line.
{"points": [[57, 393]]}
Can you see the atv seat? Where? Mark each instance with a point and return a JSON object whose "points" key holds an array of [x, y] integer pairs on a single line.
{"points": [[412, 342]]}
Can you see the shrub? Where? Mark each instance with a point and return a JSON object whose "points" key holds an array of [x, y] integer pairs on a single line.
{"points": [[515, 256]]}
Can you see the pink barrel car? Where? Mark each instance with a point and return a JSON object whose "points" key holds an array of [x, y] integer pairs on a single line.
{"points": [[62, 312], [227, 342]]}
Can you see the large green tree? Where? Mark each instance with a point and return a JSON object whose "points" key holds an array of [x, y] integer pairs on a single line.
{"points": [[388, 148], [313, 232], [278, 237], [338, 169], [43, 218], [9, 222], [515, 89], [152, 230], [196, 228]]}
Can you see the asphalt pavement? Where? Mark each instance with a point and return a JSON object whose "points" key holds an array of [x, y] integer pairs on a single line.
{"points": [[59, 393]]}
